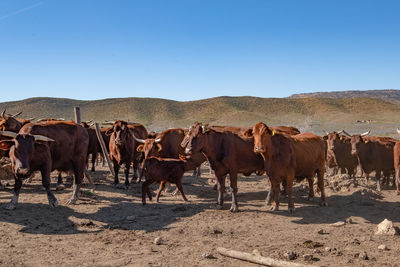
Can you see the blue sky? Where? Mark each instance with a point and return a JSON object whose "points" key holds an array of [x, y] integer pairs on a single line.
{"points": [[193, 49]]}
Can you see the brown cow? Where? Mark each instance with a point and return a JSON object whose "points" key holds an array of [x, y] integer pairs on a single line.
{"points": [[45, 147], [164, 170], [167, 145], [227, 153], [288, 157], [94, 145], [331, 162], [123, 147], [341, 147], [374, 154], [396, 160]]}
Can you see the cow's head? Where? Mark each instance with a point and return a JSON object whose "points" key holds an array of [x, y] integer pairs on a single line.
{"points": [[87, 124], [21, 149], [119, 133], [9, 123], [334, 139], [357, 141], [150, 146], [261, 134], [195, 138]]}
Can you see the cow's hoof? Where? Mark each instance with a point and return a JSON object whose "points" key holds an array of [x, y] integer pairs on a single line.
{"points": [[234, 209], [10, 206], [71, 202], [60, 187], [291, 210], [219, 207], [143, 203], [323, 204], [53, 203], [274, 208]]}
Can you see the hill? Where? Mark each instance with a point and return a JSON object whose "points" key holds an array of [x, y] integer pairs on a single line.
{"points": [[391, 95], [306, 113]]}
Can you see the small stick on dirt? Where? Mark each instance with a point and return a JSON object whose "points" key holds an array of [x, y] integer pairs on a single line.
{"points": [[257, 258]]}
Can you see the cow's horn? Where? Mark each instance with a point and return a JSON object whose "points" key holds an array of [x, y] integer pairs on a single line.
{"points": [[8, 134], [43, 138], [346, 133], [3, 114], [157, 140], [88, 122], [340, 132], [366, 133], [138, 139], [17, 114], [398, 131]]}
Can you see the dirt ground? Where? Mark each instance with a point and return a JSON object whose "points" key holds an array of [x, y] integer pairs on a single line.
{"points": [[110, 227]]}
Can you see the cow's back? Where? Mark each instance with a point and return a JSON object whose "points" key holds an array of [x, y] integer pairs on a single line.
{"points": [[70, 141], [310, 151]]}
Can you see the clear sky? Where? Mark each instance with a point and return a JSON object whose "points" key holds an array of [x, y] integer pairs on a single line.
{"points": [[193, 49]]}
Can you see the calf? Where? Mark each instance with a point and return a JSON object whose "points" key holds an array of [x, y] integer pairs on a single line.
{"points": [[45, 147], [164, 170]]}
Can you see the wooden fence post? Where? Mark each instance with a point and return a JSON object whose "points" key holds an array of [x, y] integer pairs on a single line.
{"points": [[103, 148]]}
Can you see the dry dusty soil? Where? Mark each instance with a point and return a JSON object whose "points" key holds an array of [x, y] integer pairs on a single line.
{"points": [[110, 227]]}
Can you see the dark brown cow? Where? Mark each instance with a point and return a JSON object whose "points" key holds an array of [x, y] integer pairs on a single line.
{"points": [[123, 147], [94, 145], [164, 170], [45, 147], [227, 153], [288, 157], [341, 147], [374, 154]]}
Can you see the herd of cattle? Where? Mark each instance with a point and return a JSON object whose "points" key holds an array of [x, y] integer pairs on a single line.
{"points": [[282, 153]]}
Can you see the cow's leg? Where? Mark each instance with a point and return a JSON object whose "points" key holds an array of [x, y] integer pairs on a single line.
{"points": [[116, 170], [14, 200], [289, 191], [1, 185], [126, 171], [46, 184], [221, 190], [180, 188], [310, 180], [233, 177], [320, 178], [60, 185], [160, 188], [270, 195], [276, 191], [78, 178], [397, 178], [378, 182], [135, 169], [94, 158], [145, 189]]}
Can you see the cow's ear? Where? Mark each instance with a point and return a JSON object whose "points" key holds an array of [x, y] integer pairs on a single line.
{"points": [[248, 133], [139, 148], [6, 144], [109, 131], [159, 147]]}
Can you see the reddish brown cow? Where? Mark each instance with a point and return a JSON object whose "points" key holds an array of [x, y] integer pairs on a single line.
{"points": [[396, 160], [374, 154], [164, 170], [94, 144], [123, 147], [227, 153], [331, 161], [167, 145], [288, 157], [45, 147], [341, 147]]}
